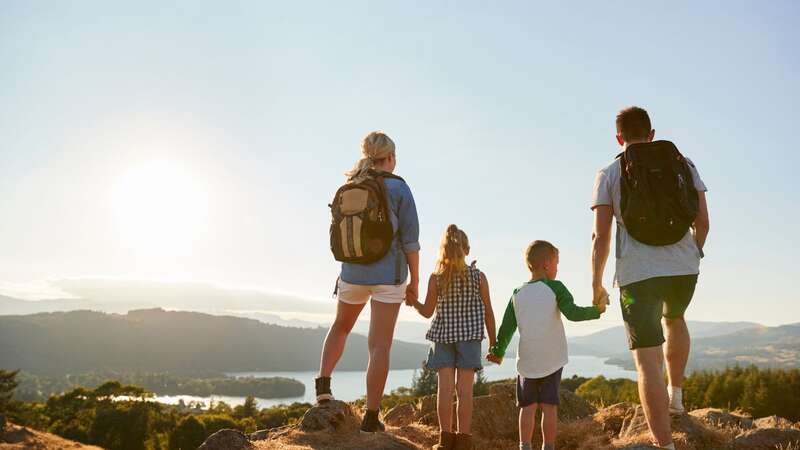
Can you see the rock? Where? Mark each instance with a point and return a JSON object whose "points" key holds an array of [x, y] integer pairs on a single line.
{"points": [[766, 439], [259, 435], [613, 417], [685, 429], [494, 415], [573, 407], [722, 418], [400, 415], [773, 422], [508, 391], [333, 415], [491, 414], [226, 439], [640, 447]]}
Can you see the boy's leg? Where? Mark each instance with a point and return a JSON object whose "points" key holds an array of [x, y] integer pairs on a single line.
{"points": [[444, 398], [549, 425], [464, 382], [527, 422]]}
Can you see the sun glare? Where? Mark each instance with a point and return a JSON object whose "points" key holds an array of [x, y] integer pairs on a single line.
{"points": [[160, 207]]}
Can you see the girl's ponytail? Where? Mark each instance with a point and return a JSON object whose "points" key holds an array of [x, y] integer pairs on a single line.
{"points": [[375, 146], [453, 250]]}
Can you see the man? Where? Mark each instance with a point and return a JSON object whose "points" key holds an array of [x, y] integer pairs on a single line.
{"points": [[654, 280]]}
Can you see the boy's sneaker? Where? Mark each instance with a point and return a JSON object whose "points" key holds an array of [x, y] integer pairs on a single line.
{"points": [[371, 424], [323, 388]]}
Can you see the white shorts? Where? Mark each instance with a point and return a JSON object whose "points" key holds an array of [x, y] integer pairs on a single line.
{"points": [[358, 294]]}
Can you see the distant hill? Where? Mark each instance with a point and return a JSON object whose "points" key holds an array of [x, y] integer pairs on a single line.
{"points": [[612, 341], [777, 347], [15, 306], [184, 342]]}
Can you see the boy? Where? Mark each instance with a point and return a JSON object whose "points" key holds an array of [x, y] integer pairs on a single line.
{"points": [[536, 309]]}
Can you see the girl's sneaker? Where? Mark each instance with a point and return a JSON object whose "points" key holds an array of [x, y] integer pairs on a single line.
{"points": [[323, 388], [371, 423]]}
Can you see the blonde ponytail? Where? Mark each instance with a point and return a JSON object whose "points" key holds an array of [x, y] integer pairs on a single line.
{"points": [[375, 146], [453, 250]]}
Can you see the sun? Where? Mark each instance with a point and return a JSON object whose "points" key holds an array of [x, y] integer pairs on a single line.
{"points": [[160, 207]]}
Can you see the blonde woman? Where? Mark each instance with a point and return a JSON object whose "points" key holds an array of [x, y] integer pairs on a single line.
{"points": [[385, 283], [459, 294]]}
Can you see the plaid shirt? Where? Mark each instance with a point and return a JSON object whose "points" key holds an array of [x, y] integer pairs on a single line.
{"points": [[459, 310]]}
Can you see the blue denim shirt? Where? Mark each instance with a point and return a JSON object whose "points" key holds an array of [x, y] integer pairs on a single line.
{"points": [[393, 267]]}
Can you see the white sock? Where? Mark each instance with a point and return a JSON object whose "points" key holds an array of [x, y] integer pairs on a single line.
{"points": [[676, 397]]}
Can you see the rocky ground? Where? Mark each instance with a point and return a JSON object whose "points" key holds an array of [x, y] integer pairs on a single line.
{"points": [[582, 427], [13, 437]]}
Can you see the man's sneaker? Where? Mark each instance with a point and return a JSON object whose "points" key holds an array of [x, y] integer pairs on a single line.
{"points": [[371, 424], [676, 409], [323, 388]]}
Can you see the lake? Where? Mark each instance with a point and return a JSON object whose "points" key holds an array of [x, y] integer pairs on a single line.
{"points": [[349, 385]]}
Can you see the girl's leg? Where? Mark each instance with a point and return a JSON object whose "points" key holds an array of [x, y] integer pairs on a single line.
{"points": [[444, 398], [346, 316], [549, 424], [527, 421], [381, 330], [464, 381]]}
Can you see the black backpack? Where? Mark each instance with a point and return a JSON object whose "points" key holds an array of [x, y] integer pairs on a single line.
{"points": [[361, 228], [659, 201]]}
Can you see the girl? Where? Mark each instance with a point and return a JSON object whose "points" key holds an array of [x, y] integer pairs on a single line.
{"points": [[460, 296], [384, 284]]}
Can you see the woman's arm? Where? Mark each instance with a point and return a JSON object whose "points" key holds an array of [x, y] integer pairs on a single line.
{"points": [[412, 290], [431, 298], [488, 313], [408, 223]]}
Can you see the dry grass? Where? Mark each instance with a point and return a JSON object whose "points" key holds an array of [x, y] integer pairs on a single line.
{"points": [[19, 438]]}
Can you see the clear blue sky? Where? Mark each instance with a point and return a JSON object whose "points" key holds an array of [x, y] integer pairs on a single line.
{"points": [[251, 112]]}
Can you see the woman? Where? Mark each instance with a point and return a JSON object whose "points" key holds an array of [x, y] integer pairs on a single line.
{"points": [[384, 282]]}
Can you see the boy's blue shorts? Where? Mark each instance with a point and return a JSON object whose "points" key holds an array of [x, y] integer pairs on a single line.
{"points": [[538, 390], [462, 355]]}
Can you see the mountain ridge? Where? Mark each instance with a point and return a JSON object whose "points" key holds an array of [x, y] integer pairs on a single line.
{"points": [[158, 340]]}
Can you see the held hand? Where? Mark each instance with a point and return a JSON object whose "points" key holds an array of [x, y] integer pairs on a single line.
{"points": [[412, 294], [600, 295], [602, 307], [493, 358]]}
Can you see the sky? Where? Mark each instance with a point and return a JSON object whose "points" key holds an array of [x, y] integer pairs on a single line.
{"points": [[201, 141]]}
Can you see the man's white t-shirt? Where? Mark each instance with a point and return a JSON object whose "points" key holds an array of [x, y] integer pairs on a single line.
{"points": [[637, 261]]}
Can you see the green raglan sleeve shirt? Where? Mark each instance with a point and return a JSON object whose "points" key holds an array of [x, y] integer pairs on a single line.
{"points": [[507, 329], [567, 306]]}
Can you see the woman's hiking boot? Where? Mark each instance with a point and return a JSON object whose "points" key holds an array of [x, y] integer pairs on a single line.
{"points": [[446, 440], [323, 388], [462, 442], [371, 424]]}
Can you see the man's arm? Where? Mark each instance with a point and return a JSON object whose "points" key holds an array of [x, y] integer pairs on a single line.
{"points": [[601, 245], [701, 223]]}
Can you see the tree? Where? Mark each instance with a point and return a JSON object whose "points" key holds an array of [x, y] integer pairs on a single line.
{"points": [[8, 382], [424, 382], [248, 409], [188, 434]]}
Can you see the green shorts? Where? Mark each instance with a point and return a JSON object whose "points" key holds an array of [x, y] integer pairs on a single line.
{"points": [[645, 302]]}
